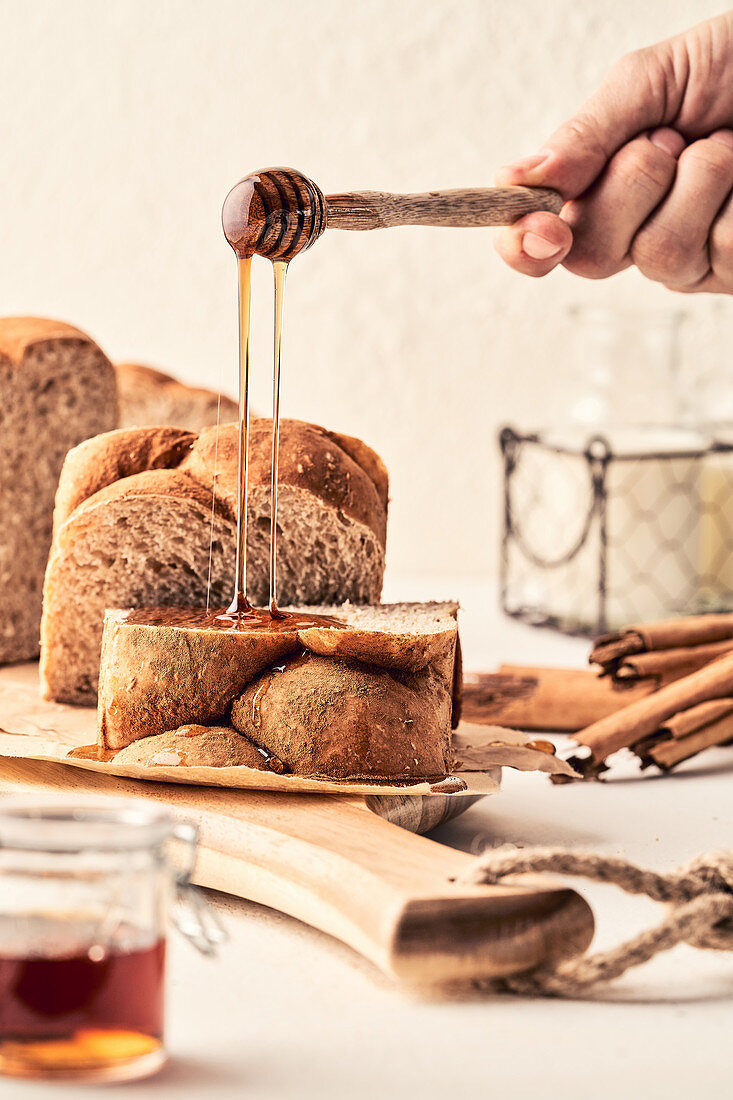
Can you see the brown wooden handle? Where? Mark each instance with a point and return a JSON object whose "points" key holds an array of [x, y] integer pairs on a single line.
{"points": [[465, 207]]}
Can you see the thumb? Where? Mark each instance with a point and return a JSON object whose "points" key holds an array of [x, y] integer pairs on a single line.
{"points": [[634, 96]]}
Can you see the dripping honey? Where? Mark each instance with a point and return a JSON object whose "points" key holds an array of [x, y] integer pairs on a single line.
{"points": [[243, 224], [280, 269], [240, 605]]}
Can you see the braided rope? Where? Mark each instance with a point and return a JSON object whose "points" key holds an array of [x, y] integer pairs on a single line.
{"points": [[700, 896]]}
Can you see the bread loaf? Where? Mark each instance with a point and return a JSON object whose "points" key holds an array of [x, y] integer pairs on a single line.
{"points": [[56, 389], [148, 517], [150, 397], [369, 698]]}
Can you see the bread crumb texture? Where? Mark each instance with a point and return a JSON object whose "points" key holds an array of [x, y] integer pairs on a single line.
{"points": [[57, 388], [147, 517]]}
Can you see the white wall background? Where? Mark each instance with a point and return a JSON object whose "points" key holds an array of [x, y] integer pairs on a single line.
{"points": [[123, 123]]}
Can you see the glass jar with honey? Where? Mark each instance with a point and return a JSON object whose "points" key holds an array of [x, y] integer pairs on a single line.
{"points": [[84, 900]]}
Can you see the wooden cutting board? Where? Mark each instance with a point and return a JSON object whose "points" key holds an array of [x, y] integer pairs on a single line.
{"points": [[335, 863]]}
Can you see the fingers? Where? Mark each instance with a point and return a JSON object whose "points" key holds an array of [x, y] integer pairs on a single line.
{"points": [[662, 206], [673, 247], [603, 223], [721, 247], [719, 280], [606, 220], [711, 284], [637, 94], [535, 244]]}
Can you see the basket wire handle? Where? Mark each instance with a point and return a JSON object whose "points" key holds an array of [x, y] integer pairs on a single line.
{"points": [[597, 454]]}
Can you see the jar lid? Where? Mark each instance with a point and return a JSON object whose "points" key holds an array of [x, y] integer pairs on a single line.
{"points": [[68, 825]]}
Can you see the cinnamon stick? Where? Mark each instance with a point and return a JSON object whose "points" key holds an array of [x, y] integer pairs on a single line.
{"points": [[670, 664], [684, 727], [696, 718], [667, 753], [645, 716], [612, 650], [553, 699]]}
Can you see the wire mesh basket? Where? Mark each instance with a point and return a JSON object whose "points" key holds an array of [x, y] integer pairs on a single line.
{"points": [[594, 539]]}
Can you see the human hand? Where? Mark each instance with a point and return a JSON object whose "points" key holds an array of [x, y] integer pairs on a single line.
{"points": [[646, 169]]}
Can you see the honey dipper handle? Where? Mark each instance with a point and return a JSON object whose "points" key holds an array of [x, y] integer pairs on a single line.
{"points": [[465, 207]]}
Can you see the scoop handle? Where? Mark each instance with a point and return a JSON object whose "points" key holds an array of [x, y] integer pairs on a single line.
{"points": [[461, 208]]}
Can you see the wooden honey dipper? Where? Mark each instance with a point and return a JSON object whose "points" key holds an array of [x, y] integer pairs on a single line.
{"points": [[278, 213]]}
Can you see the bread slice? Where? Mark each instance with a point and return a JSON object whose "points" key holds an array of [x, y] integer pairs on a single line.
{"points": [[371, 697], [56, 389], [149, 397], [146, 517]]}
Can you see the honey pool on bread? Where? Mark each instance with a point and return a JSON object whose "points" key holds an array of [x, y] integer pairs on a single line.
{"points": [[249, 618]]}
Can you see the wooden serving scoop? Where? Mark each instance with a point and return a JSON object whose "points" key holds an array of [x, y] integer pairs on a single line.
{"points": [[330, 861], [278, 212]]}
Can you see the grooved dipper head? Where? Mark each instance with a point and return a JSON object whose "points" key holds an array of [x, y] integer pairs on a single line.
{"points": [[276, 213]]}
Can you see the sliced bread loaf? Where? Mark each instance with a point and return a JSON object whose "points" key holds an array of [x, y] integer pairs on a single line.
{"points": [[149, 397], [56, 389], [146, 517], [369, 697]]}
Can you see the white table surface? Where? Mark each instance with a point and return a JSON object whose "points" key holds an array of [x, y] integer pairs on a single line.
{"points": [[288, 1012]]}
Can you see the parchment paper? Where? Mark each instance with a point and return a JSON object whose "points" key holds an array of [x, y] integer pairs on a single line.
{"points": [[34, 729]]}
